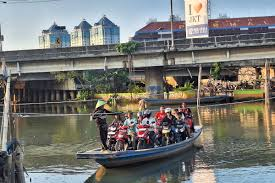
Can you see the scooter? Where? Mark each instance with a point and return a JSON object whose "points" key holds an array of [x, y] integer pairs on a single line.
{"points": [[167, 134], [111, 138], [181, 132], [143, 137], [122, 139]]}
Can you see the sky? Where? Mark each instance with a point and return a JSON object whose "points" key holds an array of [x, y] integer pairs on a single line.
{"points": [[23, 23]]}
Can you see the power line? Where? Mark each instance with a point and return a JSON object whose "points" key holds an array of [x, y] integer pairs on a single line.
{"points": [[28, 1]]}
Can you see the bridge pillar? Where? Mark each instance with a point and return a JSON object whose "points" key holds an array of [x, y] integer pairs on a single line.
{"points": [[24, 96], [40, 96], [154, 82], [34, 96], [52, 95], [46, 97], [19, 97], [58, 97], [65, 95], [29, 96], [72, 95]]}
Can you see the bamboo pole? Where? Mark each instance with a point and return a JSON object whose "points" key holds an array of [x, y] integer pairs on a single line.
{"points": [[199, 87], [267, 81], [6, 115]]}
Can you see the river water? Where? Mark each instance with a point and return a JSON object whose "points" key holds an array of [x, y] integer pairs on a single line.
{"points": [[238, 146]]}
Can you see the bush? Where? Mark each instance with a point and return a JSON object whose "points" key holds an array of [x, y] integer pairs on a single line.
{"points": [[136, 89], [83, 95], [187, 87]]}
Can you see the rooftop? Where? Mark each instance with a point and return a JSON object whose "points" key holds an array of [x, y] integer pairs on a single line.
{"points": [[214, 23], [54, 28], [104, 21], [83, 25]]}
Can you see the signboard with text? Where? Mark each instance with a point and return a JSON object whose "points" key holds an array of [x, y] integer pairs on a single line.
{"points": [[196, 19]]}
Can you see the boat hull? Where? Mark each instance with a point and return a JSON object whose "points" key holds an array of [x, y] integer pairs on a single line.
{"points": [[133, 157]]}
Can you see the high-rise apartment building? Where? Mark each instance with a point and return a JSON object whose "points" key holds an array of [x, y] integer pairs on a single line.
{"points": [[55, 37], [81, 34], [105, 32]]}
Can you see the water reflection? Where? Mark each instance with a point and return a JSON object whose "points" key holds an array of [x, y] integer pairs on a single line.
{"points": [[234, 137], [176, 169]]}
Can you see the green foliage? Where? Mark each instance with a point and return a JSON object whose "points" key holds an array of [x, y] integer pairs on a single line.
{"points": [[215, 71], [62, 76], [136, 89], [109, 81], [249, 92], [187, 87], [84, 95], [127, 48]]}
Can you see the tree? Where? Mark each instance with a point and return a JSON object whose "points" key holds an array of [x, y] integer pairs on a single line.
{"points": [[150, 20], [128, 48], [176, 18], [107, 81], [215, 71], [223, 16]]}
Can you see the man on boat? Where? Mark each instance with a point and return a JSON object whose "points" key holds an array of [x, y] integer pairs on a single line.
{"points": [[161, 114], [185, 111], [149, 120], [117, 122], [100, 115], [131, 122]]}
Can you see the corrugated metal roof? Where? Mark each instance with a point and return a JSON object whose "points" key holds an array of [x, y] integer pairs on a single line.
{"points": [[214, 24]]}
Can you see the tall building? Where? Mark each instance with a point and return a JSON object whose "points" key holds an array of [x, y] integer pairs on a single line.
{"points": [[55, 37], [81, 34], [105, 32]]}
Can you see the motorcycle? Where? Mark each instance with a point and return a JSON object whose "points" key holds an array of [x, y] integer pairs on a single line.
{"points": [[158, 133], [122, 139], [111, 138], [167, 134], [181, 132], [143, 137]]}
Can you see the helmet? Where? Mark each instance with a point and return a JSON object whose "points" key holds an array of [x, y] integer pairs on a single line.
{"points": [[147, 112], [140, 113], [100, 103], [168, 110]]}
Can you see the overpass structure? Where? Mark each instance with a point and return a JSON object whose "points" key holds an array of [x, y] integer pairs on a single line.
{"points": [[152, 57]]}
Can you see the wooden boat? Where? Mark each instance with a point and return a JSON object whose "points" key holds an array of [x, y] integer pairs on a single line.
{"points": [[131, 157], [204, 100]]}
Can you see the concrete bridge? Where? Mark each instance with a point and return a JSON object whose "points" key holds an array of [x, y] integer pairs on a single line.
{"points": [[150, 57]]}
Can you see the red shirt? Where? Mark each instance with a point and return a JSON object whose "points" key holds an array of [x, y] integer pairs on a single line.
{"points": [[160, 116]]}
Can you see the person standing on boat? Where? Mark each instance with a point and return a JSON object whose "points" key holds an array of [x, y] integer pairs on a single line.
{"points": [[100, 116], [185, 111], [160, 115], [131, 122]]}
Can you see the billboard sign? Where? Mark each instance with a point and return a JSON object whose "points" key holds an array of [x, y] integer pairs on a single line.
{"points": [[196, 19]]}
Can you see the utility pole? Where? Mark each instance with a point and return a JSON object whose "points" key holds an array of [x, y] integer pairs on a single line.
{"points": [[1, 39], [172, 28]]}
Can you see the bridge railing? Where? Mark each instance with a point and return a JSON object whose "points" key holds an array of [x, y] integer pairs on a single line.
{"points": [[212, 42], [148, 46]]}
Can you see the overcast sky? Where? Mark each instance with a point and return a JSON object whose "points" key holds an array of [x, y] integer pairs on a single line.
{"points": [[23, 23]]}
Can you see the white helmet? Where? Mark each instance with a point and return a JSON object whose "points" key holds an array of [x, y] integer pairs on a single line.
{"points": [[168, 110]]}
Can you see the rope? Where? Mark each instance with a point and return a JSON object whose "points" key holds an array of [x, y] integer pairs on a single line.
{"points": [[60, 102], [34, 115]]}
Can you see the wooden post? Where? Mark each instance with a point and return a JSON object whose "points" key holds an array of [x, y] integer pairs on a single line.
{"points": [[6, 115], [267, 81], [199, 87]]}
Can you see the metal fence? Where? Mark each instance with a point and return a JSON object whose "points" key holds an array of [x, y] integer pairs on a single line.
{"points": [[229, 41]]}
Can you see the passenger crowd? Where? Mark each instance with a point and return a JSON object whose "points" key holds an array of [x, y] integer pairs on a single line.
{"points": [[167, 126]]}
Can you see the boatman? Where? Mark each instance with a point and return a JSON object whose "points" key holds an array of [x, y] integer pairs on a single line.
{"points": [[100, 115]]}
